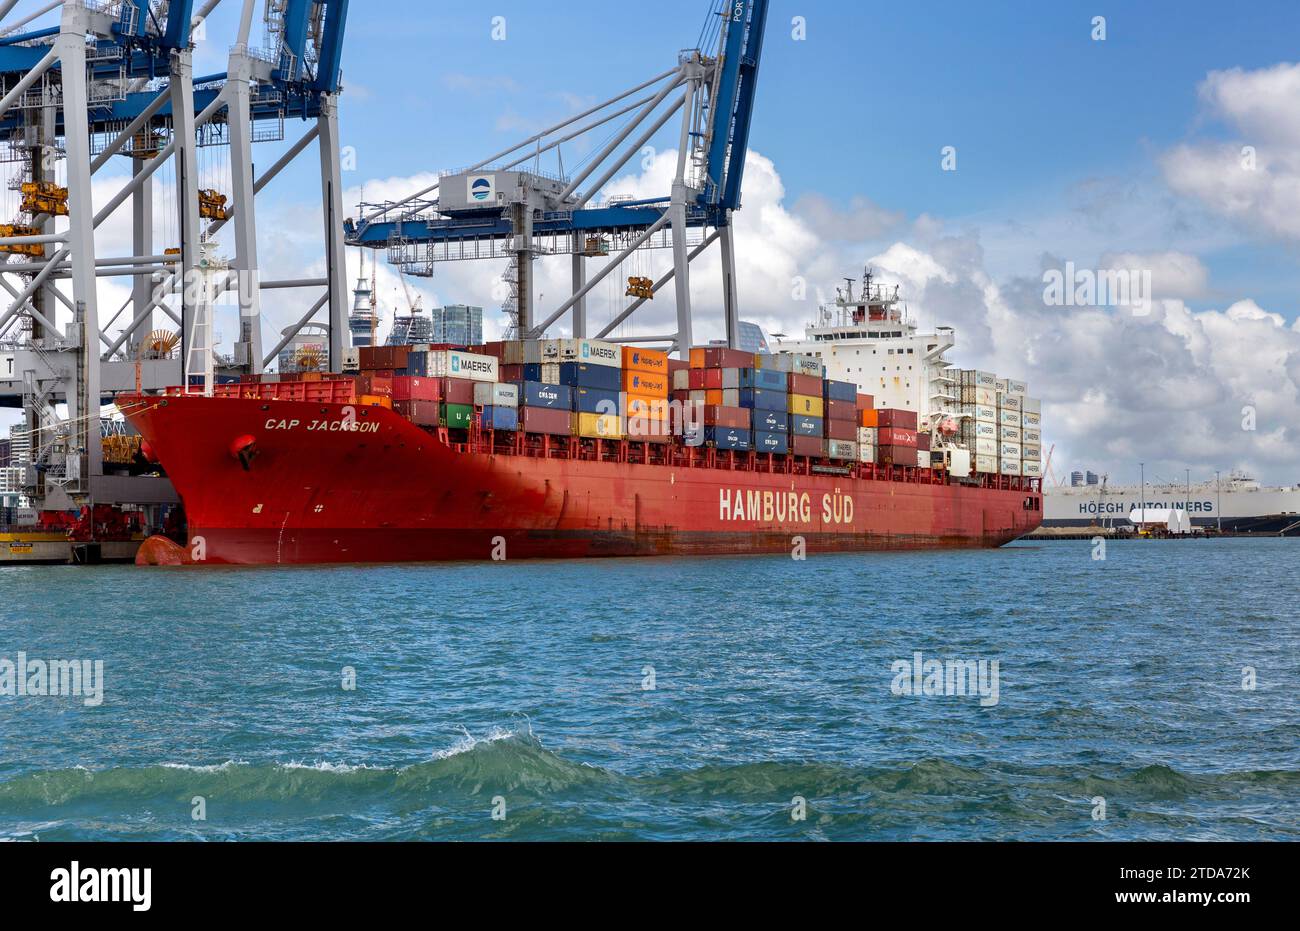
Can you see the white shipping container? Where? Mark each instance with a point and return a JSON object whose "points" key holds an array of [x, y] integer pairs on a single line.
{"points": [[807, 365], [841, 449], [1010, 466], [982, 430], [591, 352], [698, 397], [1009, 418], [866, 452], [1009, 402], [550, 373], [986, 464], [682, 380], [1009, 450], [1031, 406], [986, 447], [1032, 435], [986, 413], [777, 361], [1017, 387], [1031, 452], [1032, 468], [452, 363], [923, 458], [986, 380], [731, 397], [1009, 435], [351, 360], [549, 350], [1001, 386], [1028, 419], [867, 436], [985, 396], [522, 352], [496, 394], [730, 379]]}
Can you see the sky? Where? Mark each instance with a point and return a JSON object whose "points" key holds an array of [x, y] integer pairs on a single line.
{"points": [[1117, 150]]}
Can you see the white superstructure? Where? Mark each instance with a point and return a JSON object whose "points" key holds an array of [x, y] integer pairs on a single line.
{"points": [[1236, 500], [869, 338]]}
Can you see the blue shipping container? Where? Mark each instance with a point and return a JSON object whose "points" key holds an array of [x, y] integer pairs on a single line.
{"points": [[537, 394], [772, 421], [594, 401], [772, 442], [532, 371], [500, 418], [581, 375], [728, 438], [801, 425], [839, 391], [417, 364], [766, 379], [762, 399]]}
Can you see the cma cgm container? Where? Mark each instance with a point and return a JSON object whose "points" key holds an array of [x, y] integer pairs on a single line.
{"points": [[728, 438], [536, 394], [769, 442]]}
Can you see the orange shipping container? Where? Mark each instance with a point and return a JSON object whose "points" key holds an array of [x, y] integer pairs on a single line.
{"points": [[645, 360], [375, 400], [646, 384], [868, 418], [713, 396], [639, 405], [697, 358]]}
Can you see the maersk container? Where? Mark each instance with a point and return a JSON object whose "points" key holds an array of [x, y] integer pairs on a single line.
{"points": [[1032, 435], [803, 425], [986, 431], [984, 413], [590, 352], [807, 365], [987, 464], [453, 363], [840, 391], [1010, 466], [1009, 435], [1031, 406], [1009, 450], [1008, 401], [841, 449], [582, 375], [764, 380], [1017, 387], [537, 394], [771, 421], [546, 420], [762, 399], [1031, 467], [1031, 452], [985, 380], [500, 418], [496, 394], [1009, 418], [728, 438], [986, 447], [595, 401], [1029, 419], [769, 442], [458, 416]]}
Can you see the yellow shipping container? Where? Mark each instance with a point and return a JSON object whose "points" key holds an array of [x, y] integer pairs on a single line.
{"points": [[807, 405], [646, 384], [603, 426], [645, 360]]}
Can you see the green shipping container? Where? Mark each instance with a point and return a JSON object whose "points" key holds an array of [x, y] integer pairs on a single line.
{"points": [[456, 415]]}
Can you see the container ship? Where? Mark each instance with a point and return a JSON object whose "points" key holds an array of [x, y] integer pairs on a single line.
{"points": [[584, 448]]}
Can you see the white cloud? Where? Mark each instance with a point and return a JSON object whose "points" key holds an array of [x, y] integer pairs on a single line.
{"points": [[1255, 180]]}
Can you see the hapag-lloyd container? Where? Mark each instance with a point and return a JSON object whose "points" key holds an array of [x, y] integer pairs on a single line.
{"points": [[645, 360], [648, 384], [496, 394], [452, 363]]}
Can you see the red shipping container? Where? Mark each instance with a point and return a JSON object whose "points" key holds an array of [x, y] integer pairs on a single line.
{"points": [[720, 358], [923, 441], [807, 446], [841, 430], [735, 417], [805, 384], [416, 388], [383, 357], [677, 365], [706, 379], [496, 350], [896, 455], [457, 390], [866, 402], [545, 420], [842, 410], [376, 383], [510, 373], [421, 412], [682, 396], [896, 436], [895, 417]]}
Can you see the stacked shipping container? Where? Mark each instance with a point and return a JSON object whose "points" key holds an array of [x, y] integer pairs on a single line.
{"points": [[1001, 424]]}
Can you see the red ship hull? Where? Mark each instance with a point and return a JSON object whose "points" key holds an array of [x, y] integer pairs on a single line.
{"points": [[329, 486]]}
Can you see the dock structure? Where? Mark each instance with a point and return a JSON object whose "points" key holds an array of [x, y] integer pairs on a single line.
{"points": [[86, 83]]}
